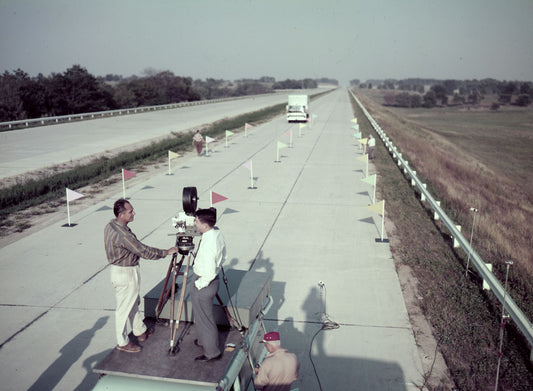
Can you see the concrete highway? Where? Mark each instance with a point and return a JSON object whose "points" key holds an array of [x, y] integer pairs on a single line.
{"points": [[305, 222], [31, 149]]}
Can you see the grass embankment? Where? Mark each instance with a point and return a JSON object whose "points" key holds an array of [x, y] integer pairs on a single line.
{"points": [[465, 319]]}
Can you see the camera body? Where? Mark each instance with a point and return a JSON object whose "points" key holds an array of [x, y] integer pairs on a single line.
{"points": [[184, 221]]}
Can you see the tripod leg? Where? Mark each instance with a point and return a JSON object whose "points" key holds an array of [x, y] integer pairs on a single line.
{"points": [[163, 297], [172, 320], [180, 305]]}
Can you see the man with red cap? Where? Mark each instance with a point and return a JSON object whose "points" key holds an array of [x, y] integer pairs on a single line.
{"points": [[279, 368]]}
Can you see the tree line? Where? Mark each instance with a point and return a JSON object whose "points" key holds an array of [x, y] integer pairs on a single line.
{"points": [[77, 91], [432, 92]]}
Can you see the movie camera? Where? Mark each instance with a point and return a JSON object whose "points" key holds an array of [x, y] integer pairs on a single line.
{"points": [[184, 221]]}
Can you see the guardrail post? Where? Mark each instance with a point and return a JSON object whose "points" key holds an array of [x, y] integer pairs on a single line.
{"points": [[485, 284], [399, 160], [413, 183], [435, 215], [455, 242], [422, 195], [405, 167]]}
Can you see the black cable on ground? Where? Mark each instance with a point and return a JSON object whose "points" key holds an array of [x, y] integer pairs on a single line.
{"points": [[327, 324]]}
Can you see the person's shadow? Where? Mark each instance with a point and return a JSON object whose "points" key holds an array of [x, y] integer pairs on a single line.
{"points": [[70, 353]]}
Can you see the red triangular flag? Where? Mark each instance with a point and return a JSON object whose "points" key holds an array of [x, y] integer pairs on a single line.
{"points": [[128, 174], [215, 197]]}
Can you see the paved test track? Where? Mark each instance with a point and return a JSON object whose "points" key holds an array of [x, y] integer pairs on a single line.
{"points": [[306, 222]]}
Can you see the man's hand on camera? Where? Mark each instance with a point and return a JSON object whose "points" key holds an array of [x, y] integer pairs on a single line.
{"points": [[172, 250]]}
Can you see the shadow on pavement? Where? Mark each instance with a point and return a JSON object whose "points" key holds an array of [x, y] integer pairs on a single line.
{"points": [[70, 353]]}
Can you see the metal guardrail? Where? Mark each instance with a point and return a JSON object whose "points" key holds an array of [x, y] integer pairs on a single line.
{"points": [[523, 323], [101, 114]]}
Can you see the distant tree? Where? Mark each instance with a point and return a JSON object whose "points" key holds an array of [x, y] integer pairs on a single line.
{"points": [[403, 99], [389, 98], [309, 83], [11, 104], [525, 88], [76, 91], [355, 82], [250, 88], [124, 96], [416, 100], [506, 91], [440, 93], [430, 99], [523, 100], [388, 85], [34, 97], [267, 79], [450, 86], [474, 97], [288, 84], [458, 99]]}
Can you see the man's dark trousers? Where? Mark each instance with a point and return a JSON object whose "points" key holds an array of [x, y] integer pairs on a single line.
{"points": [[204, 319]]}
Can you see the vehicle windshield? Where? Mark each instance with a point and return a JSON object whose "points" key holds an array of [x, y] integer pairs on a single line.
{"points": [[295, 108]]}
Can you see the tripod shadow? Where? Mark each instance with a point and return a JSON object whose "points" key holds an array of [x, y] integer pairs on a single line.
{"points": [[70, 353]]}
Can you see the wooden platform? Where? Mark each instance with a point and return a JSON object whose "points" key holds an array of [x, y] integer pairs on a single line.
{"points": [[155, 362]]}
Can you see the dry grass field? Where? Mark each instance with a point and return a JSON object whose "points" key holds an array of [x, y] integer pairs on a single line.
{"points": [[469, 157], [478, 158]]}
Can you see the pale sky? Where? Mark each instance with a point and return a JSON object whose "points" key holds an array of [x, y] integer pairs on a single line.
{"points": [[233, 39]]}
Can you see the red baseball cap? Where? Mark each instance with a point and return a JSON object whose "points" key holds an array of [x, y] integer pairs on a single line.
{"points": [[271, 336]]}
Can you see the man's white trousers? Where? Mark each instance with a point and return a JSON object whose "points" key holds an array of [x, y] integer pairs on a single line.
{"points": [[126, 281]]}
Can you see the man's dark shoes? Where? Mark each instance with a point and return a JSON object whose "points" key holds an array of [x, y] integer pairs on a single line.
{"points": [[129, 348], [144, 336], [206, 359]]}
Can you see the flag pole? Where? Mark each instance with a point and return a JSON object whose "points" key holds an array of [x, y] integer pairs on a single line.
{"points": [[169, 173], [123, 185], [290, 138], [211, 198], [277, 153], [252, 175], [383, 220], [226, 138], [68, 209]]}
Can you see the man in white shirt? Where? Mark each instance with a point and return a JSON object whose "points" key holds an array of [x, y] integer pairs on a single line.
{"points": [[207, 263]]}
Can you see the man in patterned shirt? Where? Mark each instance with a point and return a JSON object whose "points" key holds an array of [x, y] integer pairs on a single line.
{"points": [[123, 251]]}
